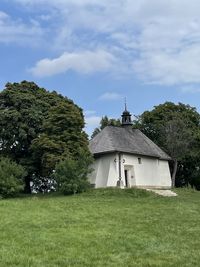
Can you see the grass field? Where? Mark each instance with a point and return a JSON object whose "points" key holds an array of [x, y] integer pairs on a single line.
{"points": [[101, 228]]}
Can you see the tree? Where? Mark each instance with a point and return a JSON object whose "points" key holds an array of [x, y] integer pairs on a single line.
{"points": [[105, 121], [62, 137], [175, 128], [37, 128], [178, 140], [95, 132], [71, 175], [11, 177]]}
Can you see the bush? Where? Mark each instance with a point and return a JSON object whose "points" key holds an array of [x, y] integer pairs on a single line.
{"points": [[11, 177], [71, 175]]}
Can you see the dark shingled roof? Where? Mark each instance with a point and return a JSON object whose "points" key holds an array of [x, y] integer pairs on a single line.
{"points": [[125, 139]]}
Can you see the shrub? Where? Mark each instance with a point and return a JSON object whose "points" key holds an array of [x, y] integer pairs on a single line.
{"points": [[11, 177], [71, 174]]}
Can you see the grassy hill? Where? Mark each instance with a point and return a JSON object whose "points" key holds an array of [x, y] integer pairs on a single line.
{"points": [[101, 228]]}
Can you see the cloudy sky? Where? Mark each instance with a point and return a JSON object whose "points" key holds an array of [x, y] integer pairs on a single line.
{"points": [[99, 51]]}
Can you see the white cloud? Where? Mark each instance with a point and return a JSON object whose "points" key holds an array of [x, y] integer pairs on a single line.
{"points": [[92, 122], [85, 62], [170, 68], [17, 31], [3, 15], [110, 96], [159, 39]]}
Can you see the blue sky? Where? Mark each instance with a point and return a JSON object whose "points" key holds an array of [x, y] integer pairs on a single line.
{"points": [[97, 52]]}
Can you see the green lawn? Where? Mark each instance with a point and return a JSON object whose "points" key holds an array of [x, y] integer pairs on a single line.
{"points": [[101, 228]]}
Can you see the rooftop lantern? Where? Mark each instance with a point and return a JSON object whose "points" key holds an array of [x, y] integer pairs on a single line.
{"points": [[126, 117]]}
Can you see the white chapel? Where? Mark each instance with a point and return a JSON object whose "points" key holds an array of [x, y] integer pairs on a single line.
{"points": [[125, 157]]}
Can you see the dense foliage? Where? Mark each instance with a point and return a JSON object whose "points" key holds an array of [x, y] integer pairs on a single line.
{"points": [[11, 177], [71, 175], [176, 129], [39, 128]]}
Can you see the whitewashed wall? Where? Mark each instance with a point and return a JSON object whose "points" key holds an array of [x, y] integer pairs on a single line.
{"points": [[105, 171], [150, 173]]}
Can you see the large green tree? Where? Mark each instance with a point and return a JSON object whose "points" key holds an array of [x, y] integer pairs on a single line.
{"points": [[175, 128], [62, 136], [38, 128]]}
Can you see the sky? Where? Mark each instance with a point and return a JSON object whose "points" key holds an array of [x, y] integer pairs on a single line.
{"points": [[98, 52]]}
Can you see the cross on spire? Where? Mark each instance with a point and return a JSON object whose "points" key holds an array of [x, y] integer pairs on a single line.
{"points": [[125, 104]]}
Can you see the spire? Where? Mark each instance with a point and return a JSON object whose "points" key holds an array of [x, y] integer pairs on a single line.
{"points": [[126, 116], [125, 104]]}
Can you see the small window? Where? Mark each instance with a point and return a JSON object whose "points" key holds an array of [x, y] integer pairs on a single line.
{"points": [[139, 160]]}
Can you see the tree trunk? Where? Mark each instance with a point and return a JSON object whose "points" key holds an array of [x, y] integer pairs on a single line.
{"points": [[174, 172], [27, 187]]}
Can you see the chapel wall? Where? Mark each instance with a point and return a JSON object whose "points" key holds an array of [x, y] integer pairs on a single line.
{"points": [[147, 172]]}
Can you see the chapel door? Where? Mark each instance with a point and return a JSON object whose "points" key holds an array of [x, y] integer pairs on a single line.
{"points": [[126, 177]]}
